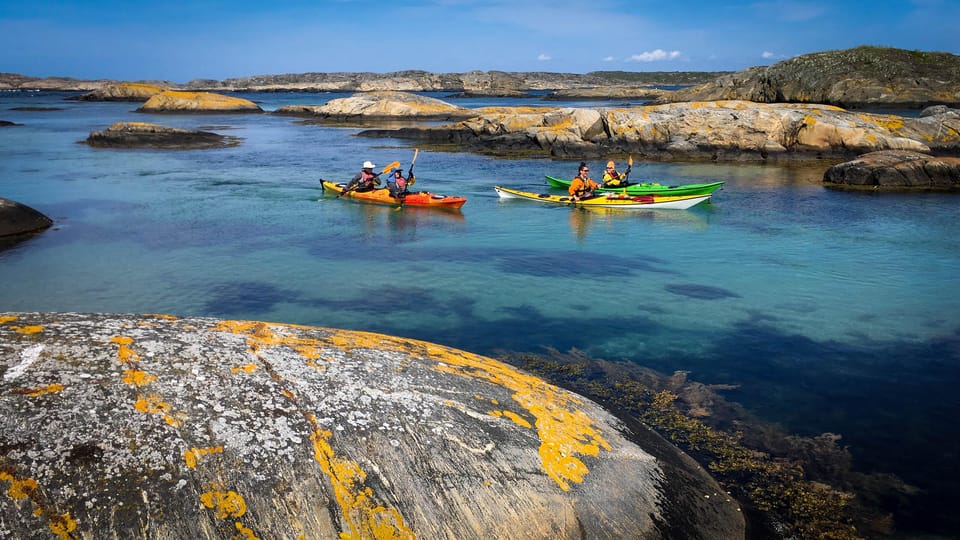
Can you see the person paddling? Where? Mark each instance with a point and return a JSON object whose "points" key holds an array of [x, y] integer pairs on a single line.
{"points": [[365, 180], [398, 184], [611, 177], [582, 185]]}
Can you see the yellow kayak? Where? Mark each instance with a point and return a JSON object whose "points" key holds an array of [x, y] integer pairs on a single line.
{"points": [[609, 200]]}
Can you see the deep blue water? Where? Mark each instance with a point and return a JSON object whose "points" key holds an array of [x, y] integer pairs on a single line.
{"points": [[831, 311]]}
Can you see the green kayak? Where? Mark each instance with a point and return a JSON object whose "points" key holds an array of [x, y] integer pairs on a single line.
{"points": [[648, 189]]}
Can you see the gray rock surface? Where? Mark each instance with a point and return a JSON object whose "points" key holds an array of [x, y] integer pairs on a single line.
{"points": [[146, 135], [17, 219], [120, 426], [379, 105], [897, 170]]}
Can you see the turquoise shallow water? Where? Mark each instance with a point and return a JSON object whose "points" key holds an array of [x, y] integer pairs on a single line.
{"points": [[831, 311]]}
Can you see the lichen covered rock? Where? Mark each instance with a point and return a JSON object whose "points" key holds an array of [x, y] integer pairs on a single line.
{"points": [[153, 426], [197, 102], [124, 91], [379, 105], [147, 135], [897, 170]]}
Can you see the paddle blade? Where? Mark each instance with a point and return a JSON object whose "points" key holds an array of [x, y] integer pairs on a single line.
{"points": [[412, 180], [389, 166], [630, 161], [416, 152]]}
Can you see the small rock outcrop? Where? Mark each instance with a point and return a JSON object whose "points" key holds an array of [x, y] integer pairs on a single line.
{"points": [[146, 135], [18, 219], [7, 123], [379, 105], [863, 77], [172, 101], [125, 91], [897, 170], [120, 426]]}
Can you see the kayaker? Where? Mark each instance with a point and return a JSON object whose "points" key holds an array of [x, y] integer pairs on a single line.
{"points": [[582, 186], [398, 184], [365, 180], [612, 178]]}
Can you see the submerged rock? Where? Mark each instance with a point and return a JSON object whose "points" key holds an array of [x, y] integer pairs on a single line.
{"points": [[146, 135], [197, 102], [17, 219], [153, 426], [897, 170]]}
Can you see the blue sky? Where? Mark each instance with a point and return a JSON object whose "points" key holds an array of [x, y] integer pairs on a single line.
{"points": [[216, 39]]}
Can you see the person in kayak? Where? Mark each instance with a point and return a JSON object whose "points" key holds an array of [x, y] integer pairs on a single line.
{"points": [[398, 184], [612, 178], [582, 186], [365, 180]]}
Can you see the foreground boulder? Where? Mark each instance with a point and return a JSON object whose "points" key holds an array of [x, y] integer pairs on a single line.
{"points": [[897, 170], [157, 427], [197, 102], [125, 91], [18, 219], [146, 135], [863, 77]]}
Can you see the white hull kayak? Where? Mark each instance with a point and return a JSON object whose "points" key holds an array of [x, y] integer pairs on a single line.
{"points": [[609, 200]]}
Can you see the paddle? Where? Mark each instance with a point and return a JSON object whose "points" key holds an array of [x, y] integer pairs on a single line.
{"points": [[410, 178], [376, 179], [626, 174]]}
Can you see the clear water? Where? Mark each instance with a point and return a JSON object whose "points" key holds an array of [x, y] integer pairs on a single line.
{"points": [[832, 311]]}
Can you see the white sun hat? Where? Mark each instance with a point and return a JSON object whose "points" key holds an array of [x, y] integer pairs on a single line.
{"points": [[368, 165]]}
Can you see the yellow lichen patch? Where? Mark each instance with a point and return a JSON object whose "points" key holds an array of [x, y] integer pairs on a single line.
{"points": [[63, 525], [4, 319], [245, 532], [246, 368], [889, 122], [34, 329], [259, 334], [162, 316], [224, 503], [809, 120], [125, 354], [152, 404], [192, 455], [19, 489], [363, 516], [48, 389], [135, 377], [517, 419]]}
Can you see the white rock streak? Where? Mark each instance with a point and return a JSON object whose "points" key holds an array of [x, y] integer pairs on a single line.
{"points": [[29, 356]]}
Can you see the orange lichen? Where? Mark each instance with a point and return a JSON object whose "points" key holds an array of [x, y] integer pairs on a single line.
{"points": [[35, 329], [4, 319], [63, 525], [224, 503], [245, 532], [48, 389], [135, 377], [260, 334], [19, 489], [192, 455], [152, 404], [890, 122], [125, 354], [246, 368], [364, 517]]}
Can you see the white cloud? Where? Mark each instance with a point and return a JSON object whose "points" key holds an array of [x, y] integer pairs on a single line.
{"points": [[767, 54], [654, 56], [544, 57], [609, 59]]}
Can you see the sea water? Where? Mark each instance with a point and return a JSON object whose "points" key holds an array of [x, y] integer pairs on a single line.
{"points": [[829, 311]]}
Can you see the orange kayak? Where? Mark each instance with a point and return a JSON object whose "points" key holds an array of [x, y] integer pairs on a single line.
{"points": [[382, 196]]}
